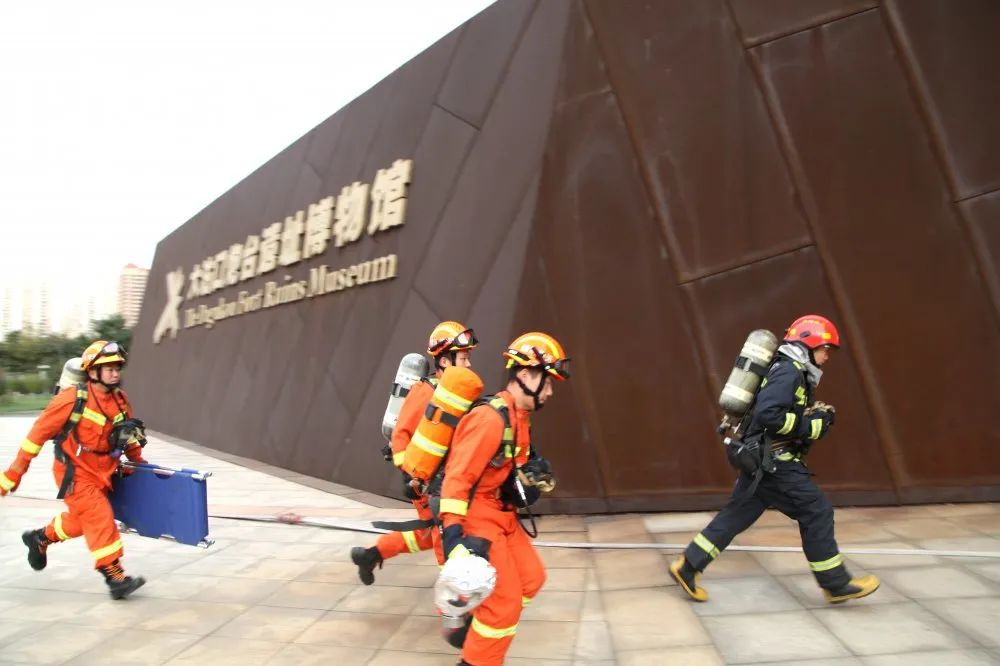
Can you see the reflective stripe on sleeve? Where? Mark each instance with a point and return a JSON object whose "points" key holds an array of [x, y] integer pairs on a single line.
{"points": [[789, 424], [815, 428], [397, 458], [6, 483], [30, 447], [455, 506]]}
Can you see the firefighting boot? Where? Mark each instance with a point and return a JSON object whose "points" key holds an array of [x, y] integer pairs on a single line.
{"points": [[37, 544], [687, 577], [854, 589], [119, 584], [366, 559]]}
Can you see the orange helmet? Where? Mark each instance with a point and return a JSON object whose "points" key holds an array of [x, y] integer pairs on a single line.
{"points": [[101, 352], [814, 331], [538, 350], [450, 336]]}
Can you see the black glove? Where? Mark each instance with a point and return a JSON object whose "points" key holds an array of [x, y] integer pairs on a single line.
{"points": [[455, 543], [537, 473], [825, 417]]}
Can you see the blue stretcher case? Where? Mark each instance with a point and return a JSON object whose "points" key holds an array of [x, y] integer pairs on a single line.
{"points": [[160, 502]]}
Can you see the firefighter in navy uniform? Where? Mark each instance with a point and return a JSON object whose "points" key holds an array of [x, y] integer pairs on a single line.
{"points": [[786, 413]]}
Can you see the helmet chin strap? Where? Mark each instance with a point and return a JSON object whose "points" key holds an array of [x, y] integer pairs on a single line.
{"points": [[534, 394]]}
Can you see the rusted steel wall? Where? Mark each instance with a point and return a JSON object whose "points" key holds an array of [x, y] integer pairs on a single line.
{"points": [[648, 182]]}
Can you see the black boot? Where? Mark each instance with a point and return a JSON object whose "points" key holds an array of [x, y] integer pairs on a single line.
{"points": [[120, 585], [366, 559], [457, 637], [37, 544]]}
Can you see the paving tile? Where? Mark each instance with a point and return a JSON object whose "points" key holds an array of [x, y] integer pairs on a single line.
{"points": [[890, 561], [135, 648], [556, 606], [566, 558], [380, 599], [270, 623], [620, 529], [593, 641], [890, 628], [322, 596], [331, 572], [419, 633], [746, 595], [320, 655], [565, 580], [11, 630], [63, 644], [770, 536], [937, 582], [957, 510], [690, 523], [406, 575], [990, 571], [836, 661], [978, 618], [561, 524], [555, 640], [396, 658], [592, 609], [979, 544], [988, 523], [364, 630], [772, 637], [617, 570], [778, 564], [689, 656], [943, 658], [224, 651], [48, 606], [651, 619], [926, 528], [191, 617]]}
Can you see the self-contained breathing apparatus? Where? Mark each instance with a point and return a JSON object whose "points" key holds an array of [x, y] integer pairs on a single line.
{"points": [[412, 368], [122, 434], [737, 400]]}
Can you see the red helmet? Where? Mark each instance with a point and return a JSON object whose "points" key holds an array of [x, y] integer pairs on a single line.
{"points": [[814, 331]]}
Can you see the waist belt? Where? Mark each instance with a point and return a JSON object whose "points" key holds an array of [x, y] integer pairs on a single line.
{"points": [[786, 452]]}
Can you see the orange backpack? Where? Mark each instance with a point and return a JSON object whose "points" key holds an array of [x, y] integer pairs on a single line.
{"points": [[452, 399]]}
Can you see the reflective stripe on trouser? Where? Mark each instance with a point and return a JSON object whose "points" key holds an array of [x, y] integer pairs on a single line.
{"points": [[791, 490], [394, 543], [520, 576], [90, 515], [63, 528]]}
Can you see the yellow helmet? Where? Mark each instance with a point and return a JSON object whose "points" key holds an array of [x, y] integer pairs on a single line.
{"points": [[101, 352], [450, 336], [538, 350]]}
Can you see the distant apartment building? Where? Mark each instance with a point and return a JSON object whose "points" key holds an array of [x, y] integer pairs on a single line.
{"points": [[36, 310], [131, 287], [6, 312]]}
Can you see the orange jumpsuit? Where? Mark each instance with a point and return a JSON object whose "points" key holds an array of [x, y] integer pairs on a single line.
{"points": [[475, 457], [90, 511], [413, 541]]}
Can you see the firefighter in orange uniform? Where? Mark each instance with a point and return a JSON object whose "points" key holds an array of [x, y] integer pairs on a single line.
{"points": [[92, 426], [491, 470], [450, 343]]}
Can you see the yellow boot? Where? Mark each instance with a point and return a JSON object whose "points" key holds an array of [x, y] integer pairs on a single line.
{"points": [[687, 577], [855, 589]]}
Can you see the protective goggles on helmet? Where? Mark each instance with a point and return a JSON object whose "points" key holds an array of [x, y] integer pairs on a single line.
{"points": [[464, 340], [558, 367], [112, 349]]}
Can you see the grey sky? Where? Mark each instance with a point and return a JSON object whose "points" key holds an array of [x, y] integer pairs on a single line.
{"points": [[122, 119]]}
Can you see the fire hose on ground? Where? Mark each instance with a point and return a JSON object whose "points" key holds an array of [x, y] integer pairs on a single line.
{"points": [[382, 527]]}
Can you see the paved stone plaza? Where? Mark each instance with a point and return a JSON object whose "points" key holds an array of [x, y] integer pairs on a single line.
{"points": [[282, 594]]}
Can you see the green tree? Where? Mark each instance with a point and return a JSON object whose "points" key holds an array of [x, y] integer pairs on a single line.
{"points": [[112, 328]]}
